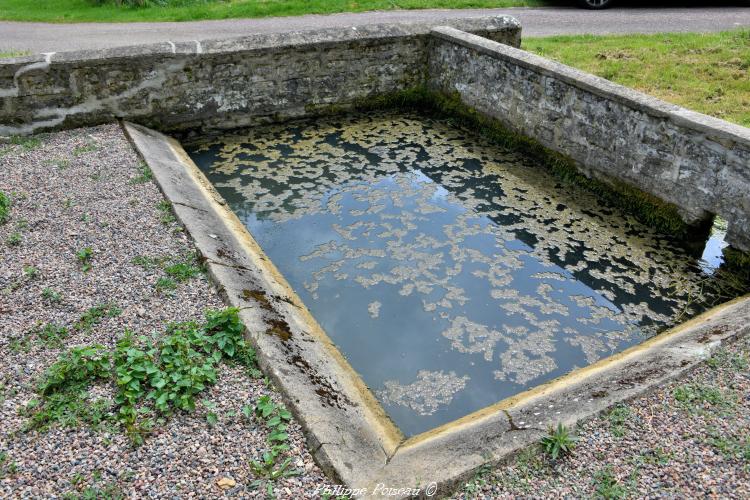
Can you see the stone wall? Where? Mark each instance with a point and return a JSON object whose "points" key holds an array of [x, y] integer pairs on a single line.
{"points": [[228, 83], [700, 164]]}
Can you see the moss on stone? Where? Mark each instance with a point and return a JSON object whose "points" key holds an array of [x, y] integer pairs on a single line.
{"points": [[738, 263], [647, 208]]}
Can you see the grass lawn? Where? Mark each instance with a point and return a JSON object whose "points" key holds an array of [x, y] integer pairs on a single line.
{"points": [[13, 53], [709, 73], [193, 10]]}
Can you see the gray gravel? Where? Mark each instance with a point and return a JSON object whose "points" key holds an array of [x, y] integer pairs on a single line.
{"points": [[185, 457]]}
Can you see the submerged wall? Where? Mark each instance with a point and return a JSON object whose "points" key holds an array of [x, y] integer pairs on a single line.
{"points": [[222, 84], [698, 163]]}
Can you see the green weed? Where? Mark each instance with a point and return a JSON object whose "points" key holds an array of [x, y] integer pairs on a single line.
{"points": [[26, 143], [607, 486], [94, 316], [473, 487], [271, 466], [89, 147], [107, 491], [60, 163], [166, 216], [52, 335], [617, 418], [84, 258], [558, 443], [149, 263], [5, 204], [52, 296], [152, 380], [697, 396], [176, 269], [7, 466], [724, 358], [64, 389], [30, 272], [145, 174], [20, 344], [183, 271], [731, 447], [14, 239], [165, 285]]}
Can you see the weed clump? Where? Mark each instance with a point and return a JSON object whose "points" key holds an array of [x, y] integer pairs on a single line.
{"points": [[84, 258], [151, 379], [558, 442], [5, 203], [272, 465]]}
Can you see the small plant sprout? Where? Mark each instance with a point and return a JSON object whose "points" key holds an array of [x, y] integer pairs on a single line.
{"points": [[268, 469], [52, 335], [13, 240], [617, 417], [84, 258], [89, 147], [4, 207], [607, 486], [211, 416], [30, 272], [50, 295], [558, 443], [94, 316], [60, 163], [26, 143], [165, 286], [166, 216], [144, 176], [182, 271]]}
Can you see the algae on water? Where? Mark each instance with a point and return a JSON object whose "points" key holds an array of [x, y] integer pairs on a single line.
{"points": [[450, 271]]}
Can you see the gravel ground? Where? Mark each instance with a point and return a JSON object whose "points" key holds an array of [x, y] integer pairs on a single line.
{"points": [[76, 189], [690, 439]]}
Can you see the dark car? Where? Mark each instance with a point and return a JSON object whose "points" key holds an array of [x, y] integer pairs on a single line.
{"points": [[595, 4]]}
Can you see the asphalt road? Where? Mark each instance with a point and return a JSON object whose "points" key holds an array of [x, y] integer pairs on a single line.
{"points": [[41, 37]]}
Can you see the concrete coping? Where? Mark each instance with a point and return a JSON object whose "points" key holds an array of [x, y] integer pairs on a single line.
{"points": [[713, 127], [308, 38], [349, 434]]}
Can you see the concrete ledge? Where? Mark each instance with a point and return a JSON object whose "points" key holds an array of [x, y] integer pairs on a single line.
{"points": [[349, 435]]}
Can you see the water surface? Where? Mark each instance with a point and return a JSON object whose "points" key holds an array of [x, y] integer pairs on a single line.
{"points": [[452, 273]]}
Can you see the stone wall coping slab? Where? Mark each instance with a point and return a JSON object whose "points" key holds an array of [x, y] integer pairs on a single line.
{"points": [[315, 38]]}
